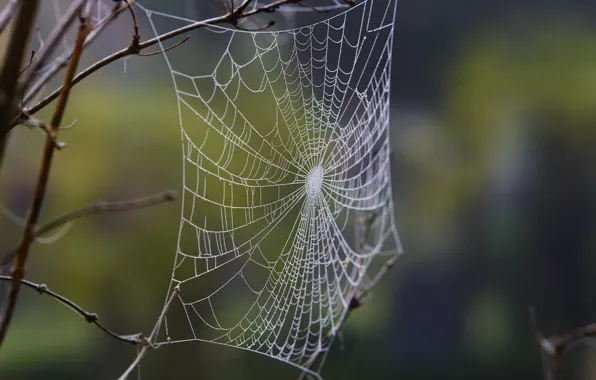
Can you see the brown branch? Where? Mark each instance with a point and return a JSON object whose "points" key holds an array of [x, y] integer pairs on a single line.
{"points": [[7, 14], [63, 60], [95, 208], [32, 122], [18, 269], [165, 49], [231, 17], [13, 62], [151, 340], [89, 317], [555, 346], [50, 44]]}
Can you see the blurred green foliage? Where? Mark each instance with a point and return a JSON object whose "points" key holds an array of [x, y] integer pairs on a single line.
{"points": [[517, 109]]}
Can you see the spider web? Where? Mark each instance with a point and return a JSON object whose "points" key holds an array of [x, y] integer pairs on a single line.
{"points": [[285, 144], [285, 141]]}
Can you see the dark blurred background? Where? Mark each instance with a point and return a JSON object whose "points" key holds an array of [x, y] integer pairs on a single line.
{"points": [[494, 134]]}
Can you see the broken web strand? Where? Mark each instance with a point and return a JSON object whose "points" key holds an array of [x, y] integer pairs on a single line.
{"points": [[335, 159]]}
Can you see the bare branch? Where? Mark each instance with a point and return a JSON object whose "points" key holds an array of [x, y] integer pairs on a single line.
{"points": [[165, 49], [231, 18], [364, 293], [18, 269], [152, 337], [32, 122], [13, 60], [135, 34], [556, 345], [89, 317], [52, 41], [96, 208], [62, 61], [7, 14]]}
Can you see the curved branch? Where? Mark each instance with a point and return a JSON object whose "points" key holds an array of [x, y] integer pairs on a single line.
{"points": [[62, 61], [92, 318], [18, 269], [96, 208], [231, 17]]}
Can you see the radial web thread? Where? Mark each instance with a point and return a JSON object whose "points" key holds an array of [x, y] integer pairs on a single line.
{"points": [[285, 141]]}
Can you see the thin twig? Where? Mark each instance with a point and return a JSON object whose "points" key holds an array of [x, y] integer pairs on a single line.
{"points": [[35, 123], [18, 269], [13, 60], [165, 49], [96, 208], [26, 68], [115, 12], [231, 17], [62, 61], [89, 317], [152, 337], [555, 346], [7, 14], [54, 38], [135, 25]]}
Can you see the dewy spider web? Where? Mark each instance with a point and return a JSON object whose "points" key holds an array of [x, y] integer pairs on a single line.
{"points": [[285, 141]]}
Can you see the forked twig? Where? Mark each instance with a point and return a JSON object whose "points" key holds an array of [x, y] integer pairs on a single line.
{"points": [[96, 208], [33, 83], [62, 61], [32, 122], [234, 15], [52, 41], [89, 317], [18, 269]]}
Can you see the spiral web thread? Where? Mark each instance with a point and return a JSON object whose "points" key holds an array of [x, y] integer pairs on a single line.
{"points": [[285, 141]]}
